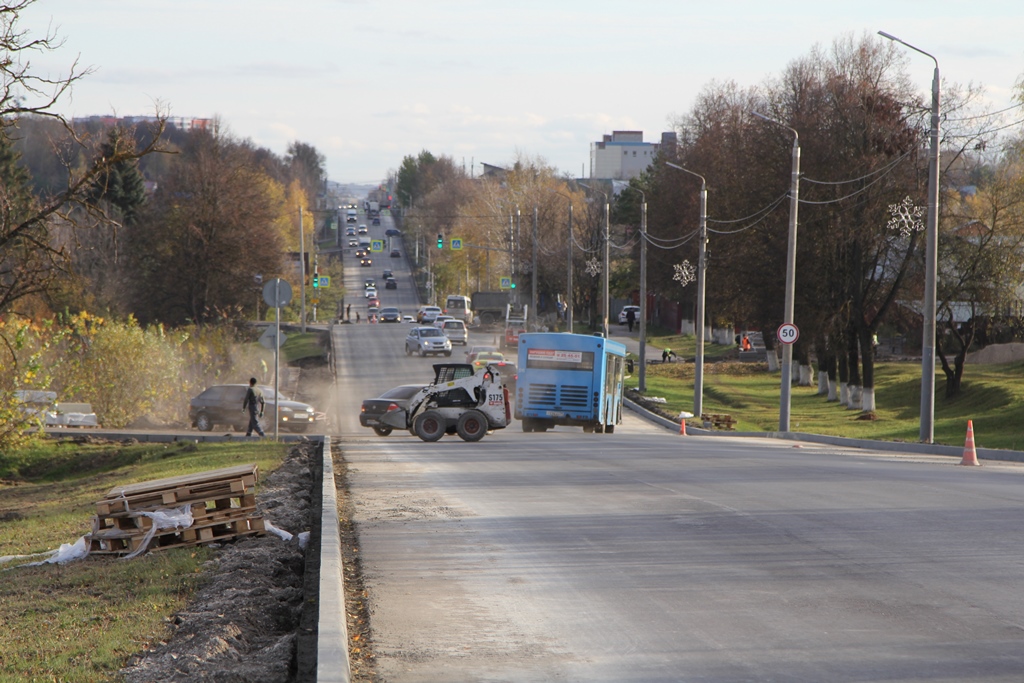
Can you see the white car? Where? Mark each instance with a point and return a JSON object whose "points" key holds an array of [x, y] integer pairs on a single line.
{"points": [[427, 314], [455, 330], [440, 320], [408, 319], [371, 292], [625, 311], [427, 340]]}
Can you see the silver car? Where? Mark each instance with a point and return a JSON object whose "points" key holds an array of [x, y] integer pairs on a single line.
{"points": [[427, 340], [456, 331]]}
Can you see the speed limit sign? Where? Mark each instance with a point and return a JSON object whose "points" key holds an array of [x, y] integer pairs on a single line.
{"points": [[788, 333]]}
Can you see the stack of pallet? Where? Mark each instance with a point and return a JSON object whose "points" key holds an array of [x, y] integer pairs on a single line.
{"points": [[216, 505]]}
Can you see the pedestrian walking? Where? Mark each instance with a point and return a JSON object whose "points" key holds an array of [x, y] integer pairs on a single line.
{"points": [[348, 313], [630, 318], [746, 343], [254, 403]]}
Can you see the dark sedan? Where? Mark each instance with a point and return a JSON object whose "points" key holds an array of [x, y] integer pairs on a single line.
{"points": [[393, 399], [390, 314]]}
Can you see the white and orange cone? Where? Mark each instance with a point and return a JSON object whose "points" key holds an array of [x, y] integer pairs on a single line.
{"points": [[682, 426], [970, 452]]}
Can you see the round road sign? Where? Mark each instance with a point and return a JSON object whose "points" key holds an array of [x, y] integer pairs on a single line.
{"points": [[788, 333], [277, 292]]}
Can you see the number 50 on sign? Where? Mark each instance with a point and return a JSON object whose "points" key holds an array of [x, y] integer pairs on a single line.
{"points": [[788, 333]]}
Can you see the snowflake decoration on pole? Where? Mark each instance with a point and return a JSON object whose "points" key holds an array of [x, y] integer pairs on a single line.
{"points": [[594, 267], [685, 273], [906, 217]]}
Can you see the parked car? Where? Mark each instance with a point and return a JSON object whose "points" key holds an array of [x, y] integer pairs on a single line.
{"points": [[427, 314], [391, 283], [395, 253], [456, 331], [390, 314], [221, 404], [392, 399], [427, 340], [625, 311]]}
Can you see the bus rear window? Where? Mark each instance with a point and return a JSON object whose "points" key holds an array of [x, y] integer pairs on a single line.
{"points": [[558, 359]]}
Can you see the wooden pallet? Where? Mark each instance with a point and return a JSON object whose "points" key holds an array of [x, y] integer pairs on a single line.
{"points": [[222, 503]]}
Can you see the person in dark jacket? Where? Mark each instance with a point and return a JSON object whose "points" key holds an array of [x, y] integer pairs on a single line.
{"points": [[631, 318], [254, 403]]}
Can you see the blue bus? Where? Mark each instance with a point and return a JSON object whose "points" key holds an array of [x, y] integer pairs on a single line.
{"points": [[569, 379]]}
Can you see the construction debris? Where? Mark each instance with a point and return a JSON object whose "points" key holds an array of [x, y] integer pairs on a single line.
{"points": [[176, 512]]}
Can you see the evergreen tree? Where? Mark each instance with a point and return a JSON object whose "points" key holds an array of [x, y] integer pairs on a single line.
{"points": [[121, 184]]}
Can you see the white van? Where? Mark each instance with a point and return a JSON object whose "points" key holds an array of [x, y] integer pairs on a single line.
{"points": [[457, 306], [351, 216]]}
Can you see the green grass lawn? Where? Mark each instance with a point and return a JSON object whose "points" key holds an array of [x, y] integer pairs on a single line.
{"points": [[992, 396], [81, 621]]}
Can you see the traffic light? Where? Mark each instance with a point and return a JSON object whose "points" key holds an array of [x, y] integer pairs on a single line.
{"points": [[440, 241], [316, 280], [513, 284]]}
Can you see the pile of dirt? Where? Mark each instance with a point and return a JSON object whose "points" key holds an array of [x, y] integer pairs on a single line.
{"points": [[997, 353], [244, 624]]}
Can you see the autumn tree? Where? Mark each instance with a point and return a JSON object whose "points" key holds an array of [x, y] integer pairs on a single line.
{"points": [[208, 230]]}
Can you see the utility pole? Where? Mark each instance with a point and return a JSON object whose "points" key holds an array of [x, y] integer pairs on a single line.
{"points": [[302, 271], [533, 279]]}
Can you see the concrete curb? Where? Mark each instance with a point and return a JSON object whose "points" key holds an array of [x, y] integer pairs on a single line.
{"points": [[332, 661], [889, 446]]}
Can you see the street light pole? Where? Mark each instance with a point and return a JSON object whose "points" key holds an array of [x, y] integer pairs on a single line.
{"points": [[787, 349], [698, 328], [642, 374], [302, 270], [927, 433], [533, 277], [607, 240], [568, 293]]}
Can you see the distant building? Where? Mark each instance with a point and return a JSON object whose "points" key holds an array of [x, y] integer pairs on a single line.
{"points": [[624, 154]]}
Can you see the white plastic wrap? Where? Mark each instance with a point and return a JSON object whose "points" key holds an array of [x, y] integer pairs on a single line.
{"points": [[179, 518]]}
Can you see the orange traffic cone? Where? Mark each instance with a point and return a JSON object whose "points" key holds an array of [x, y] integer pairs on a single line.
{"points": [[970, 453], [682, 426]]}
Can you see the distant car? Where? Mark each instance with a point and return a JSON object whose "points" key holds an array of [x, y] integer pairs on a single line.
{"points": [[362, 230], [485, 357], [427, 314], [369, 282], [391, 283], [376, 220], [440, 320], [222, 405], [392, 232], [360, 253], [392, 399], [387, 273], [366, 261], [408, 319], [390, 314], [456, 331], [426, 341], [373, 302], [350, 231], [509, 374], [395, 253], [472, 352], [625, 311], [370, 292], [353, 242]]}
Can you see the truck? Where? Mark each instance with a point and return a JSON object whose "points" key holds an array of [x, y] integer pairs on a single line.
{"points": [[460, 400], [515, 324], [373, 208], [490, 307]]}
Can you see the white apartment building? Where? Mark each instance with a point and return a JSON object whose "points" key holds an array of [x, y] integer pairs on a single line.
{"points": [[624, 154]]}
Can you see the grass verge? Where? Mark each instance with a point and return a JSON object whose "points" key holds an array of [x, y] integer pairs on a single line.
{"points": [[81, 621], [992, 396]]}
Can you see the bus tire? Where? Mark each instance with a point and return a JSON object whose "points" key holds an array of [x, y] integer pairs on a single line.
{"points": [[527, 424], [472, 425], [609, 429], [429, 426], [588, 429]]}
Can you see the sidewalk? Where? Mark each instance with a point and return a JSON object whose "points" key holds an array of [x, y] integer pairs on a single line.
{"points": [[621, 333]]}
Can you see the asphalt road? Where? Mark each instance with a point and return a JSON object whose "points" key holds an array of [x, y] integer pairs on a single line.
{"points": [[646, 556]]}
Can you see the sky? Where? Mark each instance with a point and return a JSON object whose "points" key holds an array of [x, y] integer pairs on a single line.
{"points": [[369, 82]]}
